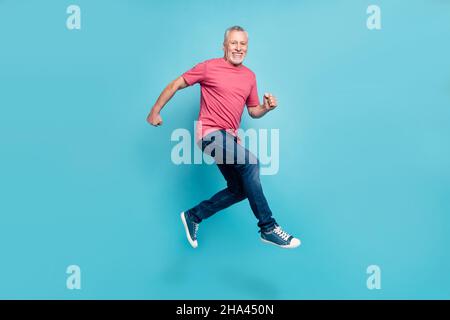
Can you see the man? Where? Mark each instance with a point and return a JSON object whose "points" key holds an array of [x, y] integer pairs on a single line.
{"points": [[226, 87]]}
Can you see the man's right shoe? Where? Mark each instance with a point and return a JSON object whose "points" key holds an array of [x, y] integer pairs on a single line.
{"points": [[280, 238], [191, 229]]}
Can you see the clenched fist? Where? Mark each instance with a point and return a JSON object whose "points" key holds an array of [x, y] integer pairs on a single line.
{"points": [[270, 102], [154, 119]]}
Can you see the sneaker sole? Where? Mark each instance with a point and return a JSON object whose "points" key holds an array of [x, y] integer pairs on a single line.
{"points": [[289, 246], [193, 243]]}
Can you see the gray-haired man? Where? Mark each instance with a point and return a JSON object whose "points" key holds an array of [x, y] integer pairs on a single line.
{"points": [[226, 87]]}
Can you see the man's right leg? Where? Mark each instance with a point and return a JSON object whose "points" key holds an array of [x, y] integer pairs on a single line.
{"points": [[223, 199], [232, 194]]}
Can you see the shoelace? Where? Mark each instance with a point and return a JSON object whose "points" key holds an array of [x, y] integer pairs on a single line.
{"points": [[282, 234]]}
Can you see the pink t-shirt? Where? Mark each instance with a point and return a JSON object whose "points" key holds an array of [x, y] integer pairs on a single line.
{"points": [[225, 90]]}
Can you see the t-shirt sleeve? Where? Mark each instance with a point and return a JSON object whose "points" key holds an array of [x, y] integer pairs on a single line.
{"points": [[253, 99], [196, 74]]}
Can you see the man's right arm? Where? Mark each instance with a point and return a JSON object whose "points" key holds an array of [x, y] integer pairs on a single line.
{"points": [[154, 117]]}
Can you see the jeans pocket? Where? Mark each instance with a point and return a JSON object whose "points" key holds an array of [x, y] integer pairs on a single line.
{"points": [[206, 143]]}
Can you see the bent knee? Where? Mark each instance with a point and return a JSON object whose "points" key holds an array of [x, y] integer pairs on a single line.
{"points": [[238, 192]]}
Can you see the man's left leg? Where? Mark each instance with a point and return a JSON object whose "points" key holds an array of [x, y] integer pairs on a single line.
{"points": [[271, 232]]}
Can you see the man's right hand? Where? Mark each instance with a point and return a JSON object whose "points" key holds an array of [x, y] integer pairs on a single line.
{"points": [[154, 118]]}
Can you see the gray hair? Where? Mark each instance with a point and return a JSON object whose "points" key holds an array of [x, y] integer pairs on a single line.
{"points": [[233, 28]]}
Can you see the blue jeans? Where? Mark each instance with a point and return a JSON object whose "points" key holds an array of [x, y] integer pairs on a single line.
{"points": [[241, 171]]}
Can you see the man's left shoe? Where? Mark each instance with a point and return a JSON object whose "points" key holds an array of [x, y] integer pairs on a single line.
{"points": [[280, 238]]}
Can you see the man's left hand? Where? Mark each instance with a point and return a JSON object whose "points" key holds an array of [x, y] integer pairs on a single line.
{"points": [[270, 101]]}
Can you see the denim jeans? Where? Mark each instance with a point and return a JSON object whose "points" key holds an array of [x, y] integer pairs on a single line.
{"points": [[240, 169]]}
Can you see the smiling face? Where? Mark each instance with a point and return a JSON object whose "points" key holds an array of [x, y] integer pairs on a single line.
{"points": [[235, 47]]}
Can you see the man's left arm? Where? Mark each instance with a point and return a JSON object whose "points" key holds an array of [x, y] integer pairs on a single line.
{"points": [[258, 111]]}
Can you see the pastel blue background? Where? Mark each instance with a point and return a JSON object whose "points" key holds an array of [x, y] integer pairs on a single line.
{"points": [[364, 119]]}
